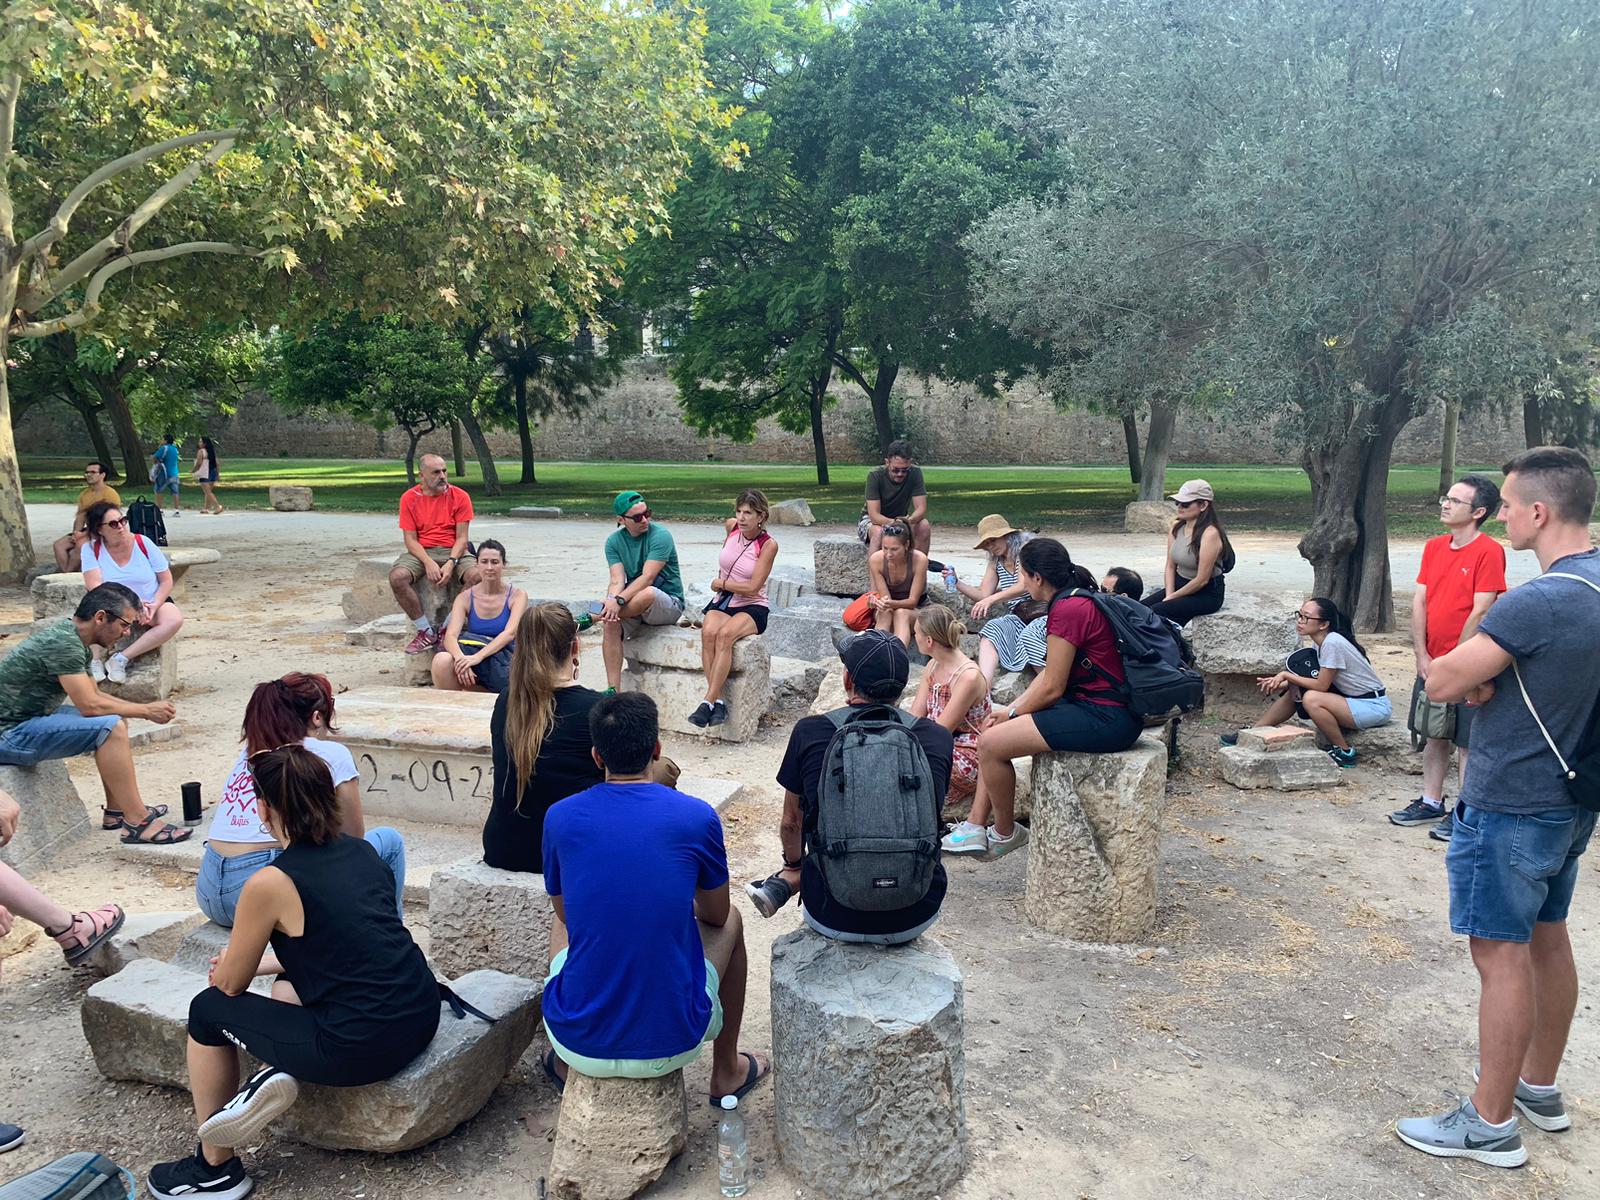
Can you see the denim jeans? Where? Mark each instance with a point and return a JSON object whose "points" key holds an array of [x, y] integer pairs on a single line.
{"points": [[1511, 871], [65, 733], [217, 887]]}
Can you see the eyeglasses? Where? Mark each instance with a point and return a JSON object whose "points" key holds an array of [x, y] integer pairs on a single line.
{"points": [[119, 523], [1443, 500], [1305, 616], [641, 516], [126, 624]]}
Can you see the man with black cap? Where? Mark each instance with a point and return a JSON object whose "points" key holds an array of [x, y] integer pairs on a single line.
{"points": [[876, 668], [645, 586]]}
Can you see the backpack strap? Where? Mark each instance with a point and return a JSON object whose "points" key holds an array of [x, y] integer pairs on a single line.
{"points": [[461, 1007], [139, 538], [1528, 700], [1121, 686]]}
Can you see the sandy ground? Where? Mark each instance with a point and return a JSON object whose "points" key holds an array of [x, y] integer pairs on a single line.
{"points": [[1300, 991]]}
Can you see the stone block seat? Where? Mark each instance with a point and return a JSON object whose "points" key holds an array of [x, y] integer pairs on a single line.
{"points": [[840, 561], [1284, 758], [1251, 636], [136, 1024], [55, 821], [1095, 842], [423, 756], [480, 917], [285, 497], [663, 661], [615, 1137], [56, 593], [370, 596], [868, 1067]]}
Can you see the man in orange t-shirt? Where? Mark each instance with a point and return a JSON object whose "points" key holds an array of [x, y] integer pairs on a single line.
{"points": [[1463, 573], [434, 517], [95, 490]]}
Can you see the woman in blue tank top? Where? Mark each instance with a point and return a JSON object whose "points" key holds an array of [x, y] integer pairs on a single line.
{"points": [[475, 648]]}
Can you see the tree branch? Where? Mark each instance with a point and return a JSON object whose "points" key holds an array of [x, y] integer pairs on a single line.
{"points": [[91, 295], [117, 240]]}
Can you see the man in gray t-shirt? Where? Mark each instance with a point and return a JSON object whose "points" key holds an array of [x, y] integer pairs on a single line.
{"points": [[895, 494], [1518, 833]]}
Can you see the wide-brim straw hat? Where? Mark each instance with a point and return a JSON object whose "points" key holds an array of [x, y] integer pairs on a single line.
{"points": [[993, 526]]}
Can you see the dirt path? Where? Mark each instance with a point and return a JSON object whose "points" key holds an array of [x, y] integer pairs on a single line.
{"points": [[1301, 989]]}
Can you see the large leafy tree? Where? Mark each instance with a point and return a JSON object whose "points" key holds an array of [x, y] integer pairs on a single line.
{"points": [[414, 156], [1382, 194]]}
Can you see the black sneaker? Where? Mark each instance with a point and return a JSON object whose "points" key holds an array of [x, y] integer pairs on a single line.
{"points": [[769, 894], [1441, 832], [1229, 739], [11, 1136], [1418, 812], [701, 717], [265, 1095], [196, 1177], [719, 713]]}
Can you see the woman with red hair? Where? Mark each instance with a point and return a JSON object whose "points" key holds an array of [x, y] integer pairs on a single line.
{"points": [[294, 710]]}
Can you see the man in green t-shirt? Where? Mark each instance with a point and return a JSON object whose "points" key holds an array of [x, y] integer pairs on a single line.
{"points": [[52, 666], [644, 588], [895, 495]]}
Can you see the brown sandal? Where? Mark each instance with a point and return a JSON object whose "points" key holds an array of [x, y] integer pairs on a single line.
{"points": [[111, 818], [167, 835]]}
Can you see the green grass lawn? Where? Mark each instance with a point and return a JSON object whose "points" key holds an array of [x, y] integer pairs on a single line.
{"points": [[1250, 498]]}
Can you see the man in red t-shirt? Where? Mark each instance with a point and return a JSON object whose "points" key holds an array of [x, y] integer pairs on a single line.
{"points": [[434, 517], [1463, 573]]}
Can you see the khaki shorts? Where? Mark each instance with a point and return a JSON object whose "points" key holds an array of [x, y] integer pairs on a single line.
{"points": [[413, 564], [663, 610]]}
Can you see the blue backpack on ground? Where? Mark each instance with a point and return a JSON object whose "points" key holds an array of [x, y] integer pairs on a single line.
{"points": [[81, 1176], [145, 520], [1162, 682]]}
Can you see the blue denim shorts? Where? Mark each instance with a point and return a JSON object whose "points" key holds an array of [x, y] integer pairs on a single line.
{"points": [[65, 733], [1511, 871]]}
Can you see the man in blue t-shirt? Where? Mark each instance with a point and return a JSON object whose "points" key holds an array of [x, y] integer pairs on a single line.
{"points": [[1518, 832], [643, 584], [649, 959], [166, 475]]}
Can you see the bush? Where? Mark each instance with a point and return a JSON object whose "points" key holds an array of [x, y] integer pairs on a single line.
{"points": [[863, 432]]}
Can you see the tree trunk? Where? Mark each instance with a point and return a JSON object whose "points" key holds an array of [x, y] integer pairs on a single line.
{"points": [[882, 387], [819, 393], [1532, 422], [1157, 449], [1130, 437], [97, 437], [524, 432], [455, 449], [413, 436], [1447, 452], [16, 543], [480, 448], [1348, 542], [135, 466]]}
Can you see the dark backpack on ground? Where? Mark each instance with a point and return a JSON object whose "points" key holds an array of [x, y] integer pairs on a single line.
{"points": [[80, 1176], [145, 519], [1162, 682], [877, 834]]}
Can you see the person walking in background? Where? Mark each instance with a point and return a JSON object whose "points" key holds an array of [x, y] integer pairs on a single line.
{"points": [[113, 555], [206, 474], [1198, 556], [95, 491], [166, 477], [895, 495], [475, 649], [435, 517], [1533, 671], [1463, 572], [739, 606], [643, 584]]}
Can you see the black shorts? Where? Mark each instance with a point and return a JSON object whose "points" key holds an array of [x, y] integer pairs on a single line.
{"points": [[288, 1037], [756, 612]]}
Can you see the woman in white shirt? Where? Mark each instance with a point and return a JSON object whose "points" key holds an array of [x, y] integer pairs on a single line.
{"points": [[111, 554], [294, 710]]}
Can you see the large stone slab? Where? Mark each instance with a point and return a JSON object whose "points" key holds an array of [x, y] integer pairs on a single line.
{"points": [[679, 649], [370, 596], [615, 1137], [1302, 769], [787, 584], [794, 684], [830, 692], [792, 512], [289, 498], [54, 820], [802, 633], [144, 935], [136, 1022], [390, 632], [423, 756], [199, 946], [482, 917], [536, 512], [446, 1084], [152, 676], [841, 565], [1149, 516], [56, 593], [1008, 685], [1251, 635], [1095, 843], [868, 1067], [1387, 747], [678, 693]]}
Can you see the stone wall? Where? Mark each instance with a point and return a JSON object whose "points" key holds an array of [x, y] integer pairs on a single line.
{"points": [[639, 420]]}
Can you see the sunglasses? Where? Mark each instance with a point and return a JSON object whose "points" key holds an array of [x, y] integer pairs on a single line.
{"points": [[643, 516], [119, 523]]}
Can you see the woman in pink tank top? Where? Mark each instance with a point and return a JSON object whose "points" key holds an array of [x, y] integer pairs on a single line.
{"points": [[739, 606]]}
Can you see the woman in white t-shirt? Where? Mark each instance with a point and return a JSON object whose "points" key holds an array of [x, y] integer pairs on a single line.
{"points": [[297, 709], [111, 554], [1344, 693]]}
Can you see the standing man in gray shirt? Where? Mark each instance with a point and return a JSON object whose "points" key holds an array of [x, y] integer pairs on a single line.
{"points": [[895, 495], [1518, 833]]}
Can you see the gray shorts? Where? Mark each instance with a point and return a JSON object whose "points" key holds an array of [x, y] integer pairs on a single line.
{"points": [[663, 610]]}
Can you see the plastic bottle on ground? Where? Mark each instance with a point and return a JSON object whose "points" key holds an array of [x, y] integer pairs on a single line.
{"points": [[733, 1150]]}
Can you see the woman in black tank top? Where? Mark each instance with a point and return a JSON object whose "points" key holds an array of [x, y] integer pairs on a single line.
{"points": [[354, 1000]]}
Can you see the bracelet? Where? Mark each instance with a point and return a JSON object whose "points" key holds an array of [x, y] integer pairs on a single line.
{"points": [[795, 865]]}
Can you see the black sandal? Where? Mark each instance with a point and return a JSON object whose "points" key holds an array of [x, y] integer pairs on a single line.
{"points": [[547, 1060], [111, 818], [168, 835]]}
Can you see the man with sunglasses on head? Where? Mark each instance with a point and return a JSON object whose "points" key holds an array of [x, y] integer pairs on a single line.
{"points": [[52, 666], [1463, 572], [645, 586]]}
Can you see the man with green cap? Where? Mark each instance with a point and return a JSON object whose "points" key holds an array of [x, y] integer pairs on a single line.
{"points": [[645, 587]]}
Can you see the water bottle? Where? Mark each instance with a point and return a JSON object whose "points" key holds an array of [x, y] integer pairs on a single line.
{"points": [[733, 1151], [949, 578]]}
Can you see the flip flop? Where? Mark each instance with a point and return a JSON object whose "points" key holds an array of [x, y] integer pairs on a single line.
{"points": [[547, 1060], [755, 1076]]}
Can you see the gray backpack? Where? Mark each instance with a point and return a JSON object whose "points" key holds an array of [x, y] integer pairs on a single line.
{"points": [[877, 836], [80, 1176]]}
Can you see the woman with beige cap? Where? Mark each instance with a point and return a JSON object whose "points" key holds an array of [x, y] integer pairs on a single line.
{"points": [[1198, 556], [1005, 640]]}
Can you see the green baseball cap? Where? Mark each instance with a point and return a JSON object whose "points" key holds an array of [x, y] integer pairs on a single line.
{"points": [[625, 501]]}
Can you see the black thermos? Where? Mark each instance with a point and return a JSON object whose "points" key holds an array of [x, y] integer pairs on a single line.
{"points": [[191, 804]]}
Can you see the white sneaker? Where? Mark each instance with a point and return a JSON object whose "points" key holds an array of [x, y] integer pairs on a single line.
{"points": [[97, 670], [965, 838], [117, 668], [1000, 847], [265, 1095]]}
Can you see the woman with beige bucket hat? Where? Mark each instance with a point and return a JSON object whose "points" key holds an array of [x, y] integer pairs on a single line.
{"points": [[1005, 640]]}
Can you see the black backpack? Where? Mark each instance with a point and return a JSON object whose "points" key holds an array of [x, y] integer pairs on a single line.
{"points": [[145, 518], [877, 834], [1162, 682]]}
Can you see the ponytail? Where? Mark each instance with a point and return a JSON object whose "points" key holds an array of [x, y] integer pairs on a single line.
{"points": [[545, 637]]}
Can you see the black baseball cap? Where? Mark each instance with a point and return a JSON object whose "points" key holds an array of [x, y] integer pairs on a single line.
{"points": [[876, 661]]}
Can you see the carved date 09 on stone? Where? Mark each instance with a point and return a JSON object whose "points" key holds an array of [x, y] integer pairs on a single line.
{"points": [[423, 775]]}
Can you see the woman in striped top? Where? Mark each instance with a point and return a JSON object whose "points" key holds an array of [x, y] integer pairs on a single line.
{"points": [[1005, 640]]}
